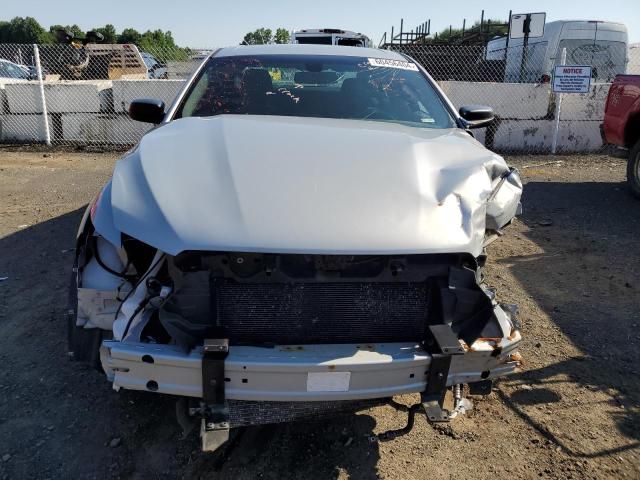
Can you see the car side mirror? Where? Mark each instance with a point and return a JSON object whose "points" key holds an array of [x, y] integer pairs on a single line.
{"points": [[148, 110], [477, 116]]}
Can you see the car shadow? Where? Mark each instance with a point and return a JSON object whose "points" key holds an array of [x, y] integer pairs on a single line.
{"points": [[103, 434], [331, 449], [589, 228], [586, 279]]}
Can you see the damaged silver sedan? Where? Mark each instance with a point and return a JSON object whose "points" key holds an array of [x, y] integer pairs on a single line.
{"points": [[303, 234]]}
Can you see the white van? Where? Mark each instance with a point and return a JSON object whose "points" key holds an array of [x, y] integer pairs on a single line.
{"points": [[633, 67], [603, 45], [331, 36]]}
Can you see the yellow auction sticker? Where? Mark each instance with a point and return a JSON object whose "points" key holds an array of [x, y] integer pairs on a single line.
{"points": [[276, 74]]}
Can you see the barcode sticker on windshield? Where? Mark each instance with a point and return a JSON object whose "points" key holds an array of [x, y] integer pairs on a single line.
{"points": [[389, 63]]}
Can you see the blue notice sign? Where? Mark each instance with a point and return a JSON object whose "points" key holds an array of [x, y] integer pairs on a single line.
{"points": [[572, 79]]}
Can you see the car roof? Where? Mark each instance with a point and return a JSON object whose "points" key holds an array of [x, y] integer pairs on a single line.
{"points": [[305, 49], [21, 67], [328, 31]]}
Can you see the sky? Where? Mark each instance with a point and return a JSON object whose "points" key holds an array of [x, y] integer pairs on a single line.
{"points": [[209, 24]]}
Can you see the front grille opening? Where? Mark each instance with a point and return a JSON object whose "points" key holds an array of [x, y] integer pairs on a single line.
{"points": [[295, 299], [311, 313]]}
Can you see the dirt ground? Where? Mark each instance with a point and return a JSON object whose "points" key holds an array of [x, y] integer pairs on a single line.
{"points": [[572, 263]]}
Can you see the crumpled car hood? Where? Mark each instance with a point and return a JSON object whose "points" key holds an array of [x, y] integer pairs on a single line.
{"points": [[311, 185]]}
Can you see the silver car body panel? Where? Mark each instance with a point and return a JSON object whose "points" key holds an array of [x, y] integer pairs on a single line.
{"points": [[311, 185], [287, 185], [307, 49], [102, 216], [298, 372]]}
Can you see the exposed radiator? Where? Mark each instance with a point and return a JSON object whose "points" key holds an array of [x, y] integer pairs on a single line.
{"points": [[320, 312]]}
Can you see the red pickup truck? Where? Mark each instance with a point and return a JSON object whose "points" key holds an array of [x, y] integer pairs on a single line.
{"points": [[621, 125]]}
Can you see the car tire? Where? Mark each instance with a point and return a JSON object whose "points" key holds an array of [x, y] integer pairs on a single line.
{"points": [[83, 344], [633, 170]]}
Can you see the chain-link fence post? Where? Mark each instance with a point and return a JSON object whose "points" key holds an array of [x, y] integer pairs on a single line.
{"points": [[558, 112], [45, 117]]}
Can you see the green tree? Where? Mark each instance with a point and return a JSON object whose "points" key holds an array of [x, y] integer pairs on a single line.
{"points": [[23, 30], [261, 36], [129, 35], [74, 29], [161, 45], [4, 31], [158, 42], [281, 36], [108, 32]]}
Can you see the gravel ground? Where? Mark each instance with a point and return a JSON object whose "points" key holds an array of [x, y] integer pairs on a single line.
{"points": [[571, 262]]}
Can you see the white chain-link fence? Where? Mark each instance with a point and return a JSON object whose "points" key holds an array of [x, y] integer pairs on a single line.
{"points": [[84, 93], [530, 117]]}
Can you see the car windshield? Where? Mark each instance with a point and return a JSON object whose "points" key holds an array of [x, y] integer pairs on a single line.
{"points": [[10, 70], [324, 86]]}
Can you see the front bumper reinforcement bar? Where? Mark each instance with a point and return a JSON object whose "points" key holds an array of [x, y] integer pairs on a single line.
{"points": [[301, 372]]}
